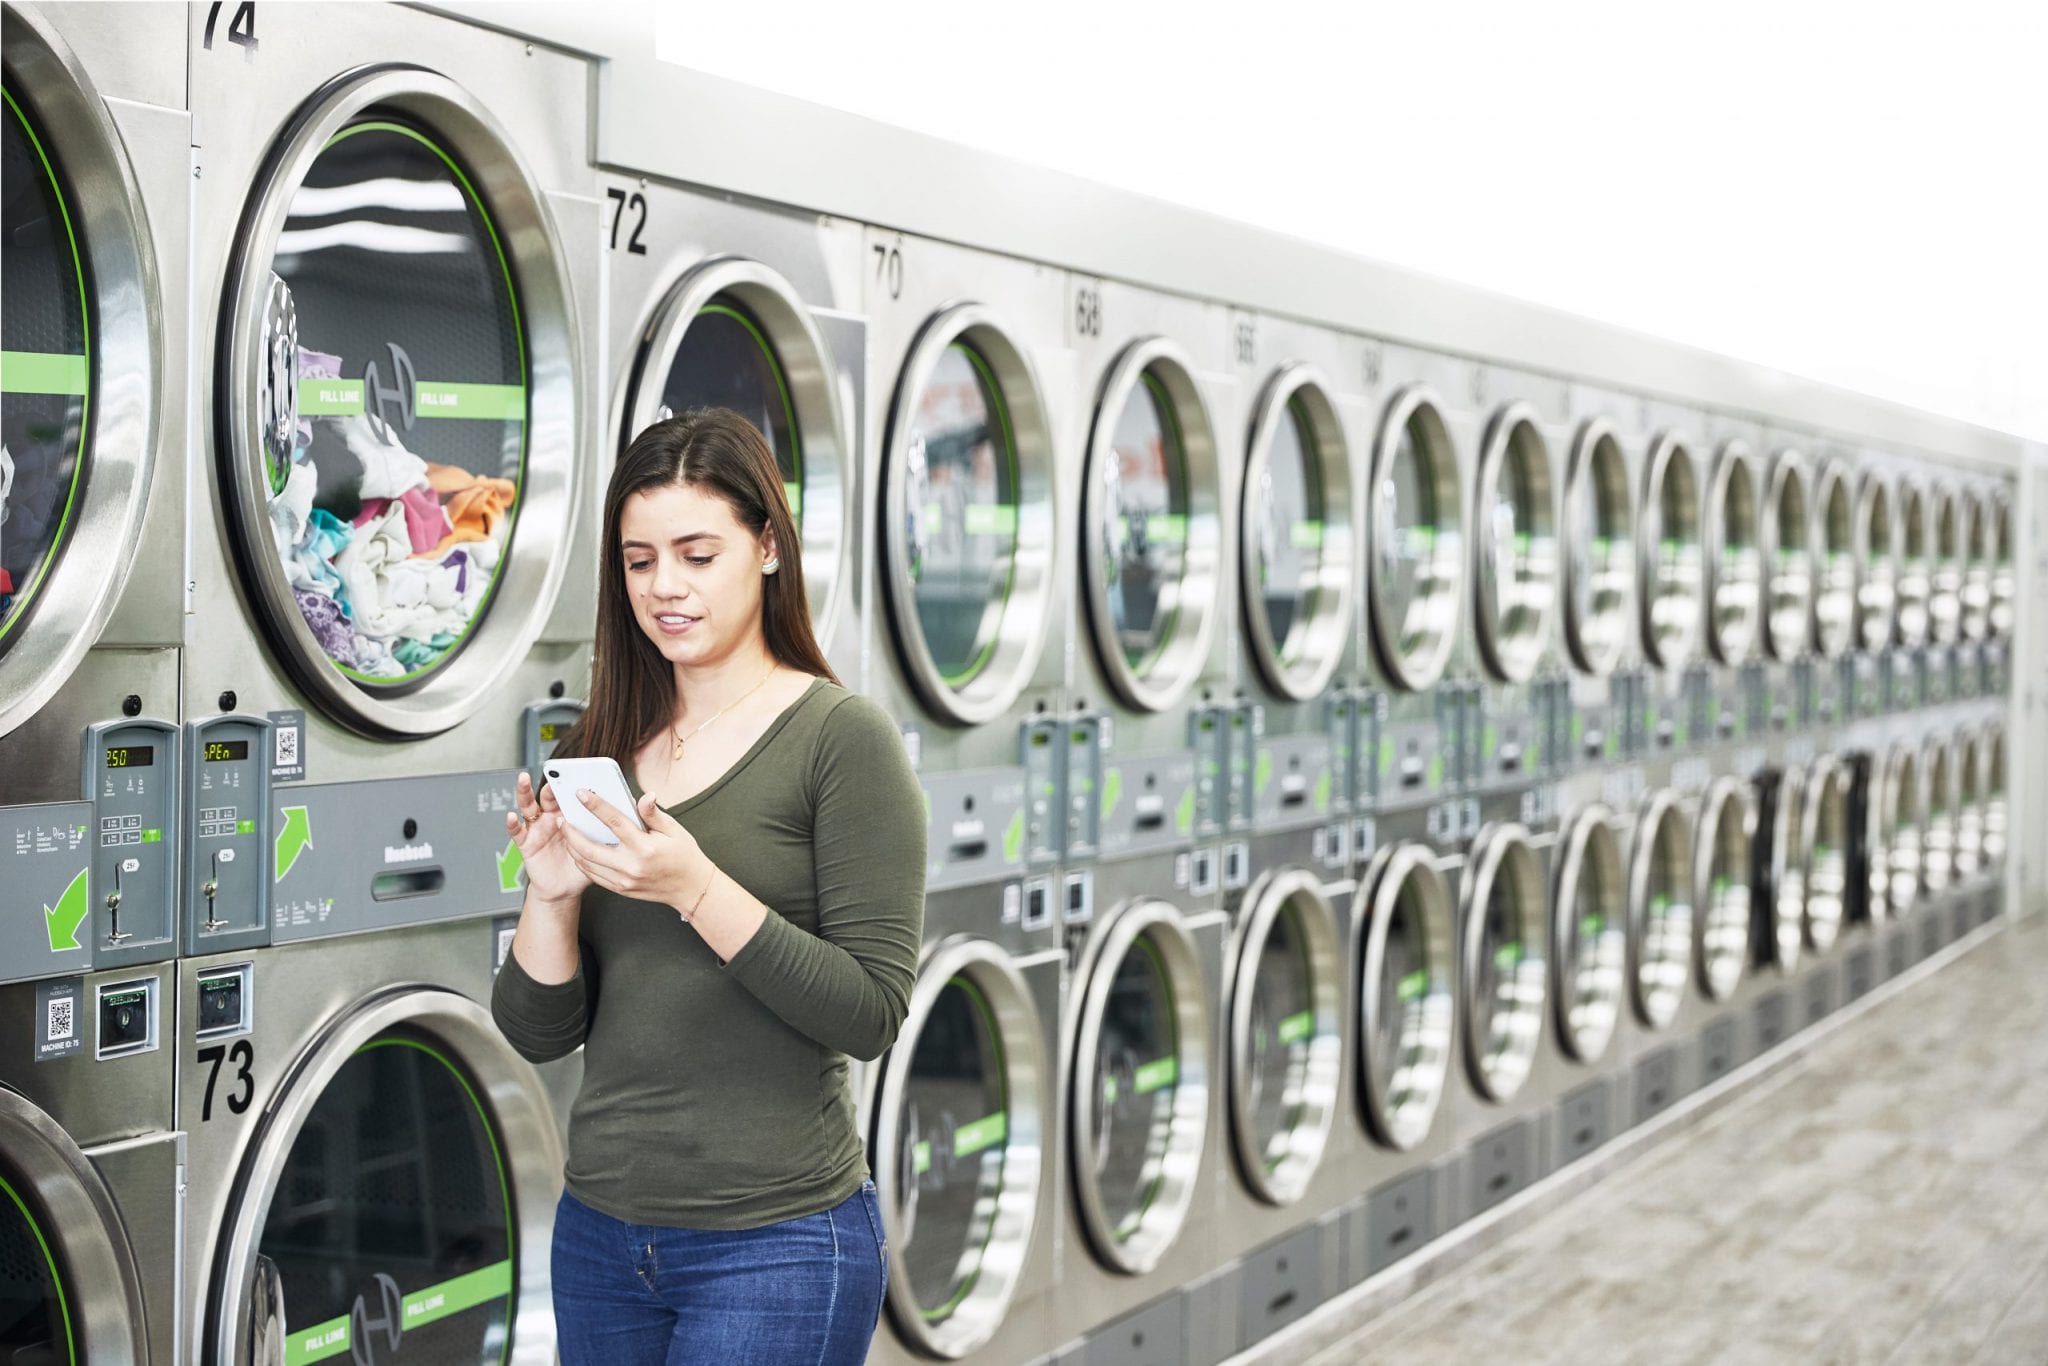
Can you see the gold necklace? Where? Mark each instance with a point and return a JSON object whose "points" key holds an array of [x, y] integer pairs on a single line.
{"points": [[682, 739]]}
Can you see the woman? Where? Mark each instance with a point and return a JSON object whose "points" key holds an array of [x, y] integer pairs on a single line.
{"points": [[721, 966]]}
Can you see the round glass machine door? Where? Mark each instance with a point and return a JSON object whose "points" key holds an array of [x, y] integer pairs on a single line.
{"points": [[1915, 584], [1824, 819], [1877, 566], [1599, 551], [1834, 594], [1994, 798], [46, 381], [1297, 537], [2002, 589], [1589, 934], [396, 1200], [69, 1291], [79, 375], [1415, 560], [1517, 581], [1406, 1005], [970, 522], [1151, 531], [731, 333], [1735, 561], [1671, 575], [1285, 1045], [1506, 969], [1789, 595], [1141, 1098], [957, 1147], [1945, 594], [1726, 834], [1976, 594], [1660, 911], [398, 334]]}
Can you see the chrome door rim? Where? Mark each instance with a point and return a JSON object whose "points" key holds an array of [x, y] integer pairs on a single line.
{"points": [[127, 418], [1827, 802], [1597, 457], [1876, 565], [1404, 1125], [2000, 533], [1944, 597], [1976, 603], [1285, 1183], [1513, 640], [1181, 1164], [1432, 616], [1787, 881], [1834, 534], [1330, 623], [1020, 641], [1870, 775], [1186, 655], [1937, 828], [1588, 1043], [535, 559], [1789, 591], [532, 1151], [1657, 1006], [1994, 774], [1505, 849], [1913, 585], [1721, 933], [1015, 1225], [1969, 818], [801, 354], [1904, 803], [1670, 598], [107, 1316], [1734, 575]]}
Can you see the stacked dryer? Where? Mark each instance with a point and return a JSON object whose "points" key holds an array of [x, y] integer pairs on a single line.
{"points": [[92, 522]]}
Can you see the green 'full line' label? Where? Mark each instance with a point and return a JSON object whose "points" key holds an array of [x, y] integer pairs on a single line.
{"points": [[320, 397], [1414, 984], [421, 1307], [1295, 1028], [986, 1132], [990, 519], [1306, 536], [1166, 526], [1155, 1075], [44, 372]]}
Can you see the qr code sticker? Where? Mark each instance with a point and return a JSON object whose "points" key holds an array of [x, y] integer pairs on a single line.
{"points": [[60, 1021], [287, 747]]}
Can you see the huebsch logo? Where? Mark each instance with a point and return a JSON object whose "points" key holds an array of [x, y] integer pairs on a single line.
{"points": [[408, 853], [379, 396]]}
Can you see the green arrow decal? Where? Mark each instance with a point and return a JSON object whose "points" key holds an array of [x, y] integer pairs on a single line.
{"points": [[1013, 839], [63, 921], [1263, 773], [293, 840], [509, 864], [1112, 788], [1184, 817], [1322, 793]]}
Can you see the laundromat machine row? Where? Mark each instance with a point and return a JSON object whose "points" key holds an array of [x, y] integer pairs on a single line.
{"points": [[1364, 778]]}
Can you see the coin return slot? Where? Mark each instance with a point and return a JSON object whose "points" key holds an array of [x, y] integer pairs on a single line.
{"points": [[127, 1019], [1037, 906], [1080, 904], [1205, 871], [410, 883], [224, 1003], [1151, 812], [967, 851]]}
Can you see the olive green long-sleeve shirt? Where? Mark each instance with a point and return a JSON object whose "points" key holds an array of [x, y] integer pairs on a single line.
{"points": [[716, 1097]]}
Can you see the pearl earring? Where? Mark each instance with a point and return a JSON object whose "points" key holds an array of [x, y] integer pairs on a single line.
{"points": [[769, 566]]}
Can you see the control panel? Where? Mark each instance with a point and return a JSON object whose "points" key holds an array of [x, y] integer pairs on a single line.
{"points": [[228, 845], [131, 779]]}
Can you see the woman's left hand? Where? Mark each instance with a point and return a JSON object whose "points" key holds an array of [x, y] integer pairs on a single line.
{"points": [[662, 863]]}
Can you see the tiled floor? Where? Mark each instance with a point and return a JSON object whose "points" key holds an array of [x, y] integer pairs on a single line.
{"points": [[1885, 1199]]}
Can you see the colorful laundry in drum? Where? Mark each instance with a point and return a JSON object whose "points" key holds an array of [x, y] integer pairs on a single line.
{"points": [[390, 556]]}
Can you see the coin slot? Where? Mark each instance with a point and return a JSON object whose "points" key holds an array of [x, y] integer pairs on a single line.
{"points": [[413, 882]]}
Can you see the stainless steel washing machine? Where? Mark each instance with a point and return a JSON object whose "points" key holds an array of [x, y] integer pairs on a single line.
{"points": [[396, 567], [92, 480], [91, 1166], [717, 303], [1157, 539], [969, 567], [1144, 1087], [1735, 587], [1671, 515], [1596, 524], [1298, 557], [373, 1171], [963, 1115]]}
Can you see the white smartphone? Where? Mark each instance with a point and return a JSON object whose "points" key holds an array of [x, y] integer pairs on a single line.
{"points": [[602, 776]]}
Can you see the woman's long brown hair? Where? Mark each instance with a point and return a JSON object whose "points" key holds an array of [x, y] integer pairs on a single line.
{"points": [[632, 688]]}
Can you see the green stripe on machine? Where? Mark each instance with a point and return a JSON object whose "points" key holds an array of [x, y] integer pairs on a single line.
{"points": [[492, 402], [986, 1132], [44, 372], [1155, 1075]]}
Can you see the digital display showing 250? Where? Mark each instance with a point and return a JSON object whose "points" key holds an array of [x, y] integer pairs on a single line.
{"points": [[131, 756]]}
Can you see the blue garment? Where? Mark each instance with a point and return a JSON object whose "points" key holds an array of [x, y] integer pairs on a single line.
{"points": [[807, 1290]]}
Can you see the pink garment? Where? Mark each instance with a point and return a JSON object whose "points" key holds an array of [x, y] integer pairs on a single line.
{"points": [[426, 523]]}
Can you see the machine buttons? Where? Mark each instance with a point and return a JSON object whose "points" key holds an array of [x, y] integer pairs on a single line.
{"points": [[131, 776]]}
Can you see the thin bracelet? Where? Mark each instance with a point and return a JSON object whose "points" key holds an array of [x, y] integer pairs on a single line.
{"points": [[690, 916]]}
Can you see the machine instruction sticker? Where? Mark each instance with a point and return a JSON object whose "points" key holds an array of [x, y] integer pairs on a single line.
{"points": [[287, 746], [59, 1030], [46, 909]]}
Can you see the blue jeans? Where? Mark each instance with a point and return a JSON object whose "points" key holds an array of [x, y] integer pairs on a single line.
{"points": [[805, 1290]]}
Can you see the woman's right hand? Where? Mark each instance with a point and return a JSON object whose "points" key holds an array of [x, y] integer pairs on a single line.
{"points": [[541, 833]]}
